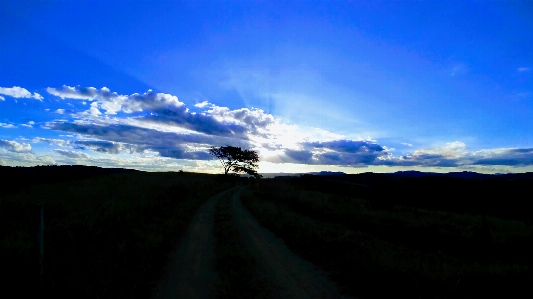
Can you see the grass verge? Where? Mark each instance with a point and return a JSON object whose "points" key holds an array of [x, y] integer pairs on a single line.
{"points": [[104, 237], [367, 265]]}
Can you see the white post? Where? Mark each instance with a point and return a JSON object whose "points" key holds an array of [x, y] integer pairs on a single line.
{"points": [[143, 199], [41, 241], [112, 203]]}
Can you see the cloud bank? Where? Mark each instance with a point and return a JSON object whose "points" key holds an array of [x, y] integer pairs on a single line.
{"points": [[149, 125], [162, 123], [14, 146]]}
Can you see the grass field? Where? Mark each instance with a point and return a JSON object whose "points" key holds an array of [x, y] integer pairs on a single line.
{"points": [[109, 236], [374, 252], [104, 237]]}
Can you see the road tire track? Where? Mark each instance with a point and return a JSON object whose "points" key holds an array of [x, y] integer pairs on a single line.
{"points": [[191, 272], [293, 277]]}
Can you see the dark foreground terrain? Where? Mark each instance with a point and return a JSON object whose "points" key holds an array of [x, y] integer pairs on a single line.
{"points": [[107, 232], [115, 233], [460, 235]]}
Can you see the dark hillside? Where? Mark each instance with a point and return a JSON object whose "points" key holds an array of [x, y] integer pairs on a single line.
{"points": [[15, 179], [506, 196], [425, 236], [105, 236]]}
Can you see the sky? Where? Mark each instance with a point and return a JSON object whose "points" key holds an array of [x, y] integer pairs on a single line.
{"points": [[352, 86]]}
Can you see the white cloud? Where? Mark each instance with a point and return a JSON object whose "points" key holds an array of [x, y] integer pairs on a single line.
{"points": [[202, 104], [92, 112], [15, 147], [170, 129], [13, 158], [451, 154], [451, 149], [255, 120], [15, 91], [89, 93], [167, 129], [2, 98], [72, 154], [137, 139], [59, 142], [503, 156], [47, 160], [37, 96], [105, 146], [456, 154], [112, 102], [166, 109], [19, 92], [335, 152], [523, 69], [7, 126], [28, 125]]}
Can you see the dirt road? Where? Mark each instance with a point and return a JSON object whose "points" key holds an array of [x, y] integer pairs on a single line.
{"points": [[190, 273], [292, 276]]}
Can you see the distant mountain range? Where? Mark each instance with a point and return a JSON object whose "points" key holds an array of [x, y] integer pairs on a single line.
{"points": [[46, 174], [468, 175]]}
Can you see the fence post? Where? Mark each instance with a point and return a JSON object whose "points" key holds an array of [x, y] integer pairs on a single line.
{"points": [[112, 203], [143, 202], [143, 199], [40, 241]]}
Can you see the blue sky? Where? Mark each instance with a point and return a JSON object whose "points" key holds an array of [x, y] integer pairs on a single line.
{"points": [[351, 86]]}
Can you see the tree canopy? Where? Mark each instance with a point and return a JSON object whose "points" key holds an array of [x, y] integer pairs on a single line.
{"points": [[236, 159]]}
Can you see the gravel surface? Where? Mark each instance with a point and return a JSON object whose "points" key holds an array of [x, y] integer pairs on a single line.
{"points": [[292, 276], [191, 271]]}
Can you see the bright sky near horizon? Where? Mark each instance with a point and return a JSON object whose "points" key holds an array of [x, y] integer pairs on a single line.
{"points": [[351, 86]]}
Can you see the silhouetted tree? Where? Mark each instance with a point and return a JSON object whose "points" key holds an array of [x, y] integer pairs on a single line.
{"points": [[236, 159]]}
